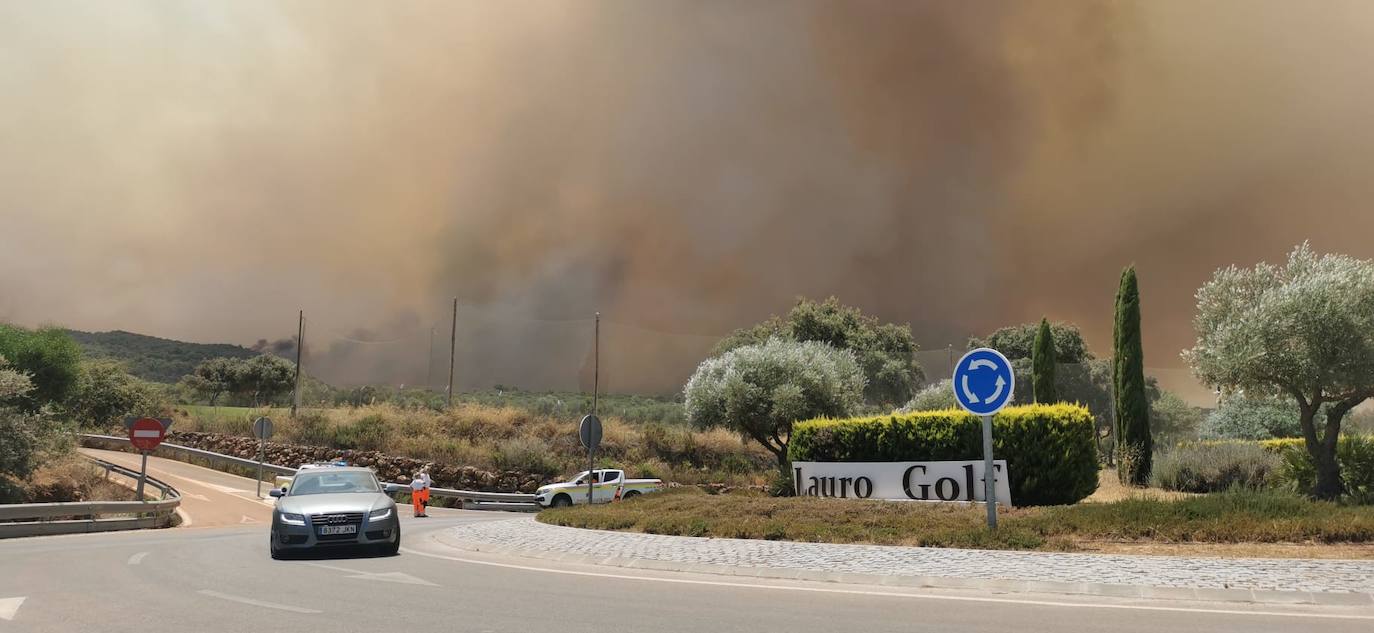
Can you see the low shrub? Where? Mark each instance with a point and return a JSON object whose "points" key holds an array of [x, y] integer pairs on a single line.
{"points": [[1050, 451], [1215, 466], [525, 454], [1354, 453], [932, 398], [368, 433]]}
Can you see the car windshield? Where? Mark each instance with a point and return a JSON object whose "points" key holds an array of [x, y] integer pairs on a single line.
{"points": [[335, 482]]}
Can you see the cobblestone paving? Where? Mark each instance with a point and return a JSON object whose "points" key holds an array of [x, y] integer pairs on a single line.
{"points": [[527, 535]]}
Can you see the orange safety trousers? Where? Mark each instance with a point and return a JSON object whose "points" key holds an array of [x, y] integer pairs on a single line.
{"points": [[418, 498]]}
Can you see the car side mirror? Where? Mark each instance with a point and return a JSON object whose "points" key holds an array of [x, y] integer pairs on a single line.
{"points": [[276, 492]]}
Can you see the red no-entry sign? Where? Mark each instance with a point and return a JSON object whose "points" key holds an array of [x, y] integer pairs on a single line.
{"points": [[146, 433]]}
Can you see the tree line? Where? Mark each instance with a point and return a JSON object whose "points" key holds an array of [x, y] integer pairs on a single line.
{"points": [[1303, 331]]}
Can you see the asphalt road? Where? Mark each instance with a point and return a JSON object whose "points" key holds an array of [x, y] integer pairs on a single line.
{"points": [[209, 498], [220, 579]]}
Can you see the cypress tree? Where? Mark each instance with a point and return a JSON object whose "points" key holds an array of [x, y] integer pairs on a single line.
{"points": [[1134, 446], [1042, 365]]}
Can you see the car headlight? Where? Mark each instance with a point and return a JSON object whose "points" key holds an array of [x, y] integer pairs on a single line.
{"points": [[292, 519], [379, 514]]}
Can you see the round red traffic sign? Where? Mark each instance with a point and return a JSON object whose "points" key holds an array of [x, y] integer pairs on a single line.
{"points": [[146, 433]]}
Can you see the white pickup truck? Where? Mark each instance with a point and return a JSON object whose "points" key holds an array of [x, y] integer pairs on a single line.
{"points": [[607, 485]]}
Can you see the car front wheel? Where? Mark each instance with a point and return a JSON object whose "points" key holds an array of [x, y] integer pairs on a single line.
{"points": [[562, 501]]}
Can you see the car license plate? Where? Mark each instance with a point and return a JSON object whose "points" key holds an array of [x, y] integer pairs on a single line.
{"points": [[338, 529]]}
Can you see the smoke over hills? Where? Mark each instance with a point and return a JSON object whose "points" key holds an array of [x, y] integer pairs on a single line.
{"points": [[201, 170]]}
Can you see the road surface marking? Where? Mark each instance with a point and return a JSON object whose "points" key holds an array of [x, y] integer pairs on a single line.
{"points": [[9, 607], [892, 594], [216, 487], [247, 519], [395, 576], [185, 517], [256, 603], [195, 496], [137, 558], [391, 576]]}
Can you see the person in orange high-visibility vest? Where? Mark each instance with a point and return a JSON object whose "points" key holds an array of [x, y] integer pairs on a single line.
{"points": [[418, 491], [424, 501]]}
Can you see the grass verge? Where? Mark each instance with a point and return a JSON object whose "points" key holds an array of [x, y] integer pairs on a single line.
{"points": [[68, 478], [1235, 517]]}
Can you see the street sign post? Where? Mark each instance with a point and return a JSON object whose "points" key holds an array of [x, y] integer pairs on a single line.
{"points": [[590, 434], [262, 429], [983, 384], [145, 434]]}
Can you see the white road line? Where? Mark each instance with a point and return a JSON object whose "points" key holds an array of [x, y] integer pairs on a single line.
{"points": [[331, 567], [892, 594], [10, 606], [185, 518], [255, 603], [387, 576], [137, 558]]}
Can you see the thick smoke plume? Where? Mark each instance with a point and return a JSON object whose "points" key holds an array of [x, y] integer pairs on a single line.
{"points": [[202, 170]]}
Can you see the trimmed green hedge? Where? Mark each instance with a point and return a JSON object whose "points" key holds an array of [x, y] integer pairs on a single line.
{"points": [[1050, 452]]}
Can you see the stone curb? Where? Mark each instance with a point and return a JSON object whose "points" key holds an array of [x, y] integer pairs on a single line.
{"points": [[996, 585]]}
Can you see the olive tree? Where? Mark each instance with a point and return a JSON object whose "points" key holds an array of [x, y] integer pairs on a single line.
{"points": [[265, 378], [760, 390], [1249, 418], [886, 352], [13, 383], [105, 393], [22, 433], [50, 359], [213, 377], [1304, 330]]}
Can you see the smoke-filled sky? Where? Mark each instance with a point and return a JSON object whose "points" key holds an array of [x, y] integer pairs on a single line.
{"points": [[201, 170]]}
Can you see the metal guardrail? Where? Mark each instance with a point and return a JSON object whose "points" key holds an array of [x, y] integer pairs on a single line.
{"points": [[477, 500], [180, 453], [469, 498], [32, 519]]}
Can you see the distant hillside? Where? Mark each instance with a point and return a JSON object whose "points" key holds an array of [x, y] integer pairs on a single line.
{"points": [[153, 358]]}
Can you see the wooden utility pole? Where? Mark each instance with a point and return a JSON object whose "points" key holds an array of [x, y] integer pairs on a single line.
{"points": [[452, 346], [300, 345]]}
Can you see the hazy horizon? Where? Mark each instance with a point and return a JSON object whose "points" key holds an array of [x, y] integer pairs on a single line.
{"points": [[202, 170]]}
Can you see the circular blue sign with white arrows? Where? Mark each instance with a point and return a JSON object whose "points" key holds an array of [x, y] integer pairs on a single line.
{"points": [[984, 381]]}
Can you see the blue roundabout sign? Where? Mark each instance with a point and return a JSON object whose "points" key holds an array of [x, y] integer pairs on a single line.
{"points": [[984, 381]]}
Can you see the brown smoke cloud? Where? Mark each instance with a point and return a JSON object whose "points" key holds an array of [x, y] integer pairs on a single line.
{"points": [[203, 170]]}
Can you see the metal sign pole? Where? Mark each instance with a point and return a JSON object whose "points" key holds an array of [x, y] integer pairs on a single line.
{"points": [[142, 475], [262, 448], [591, 466], [989, 474], [596, 390]]}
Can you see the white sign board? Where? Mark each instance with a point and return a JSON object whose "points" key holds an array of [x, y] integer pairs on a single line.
{"points": [[920, 481]]}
